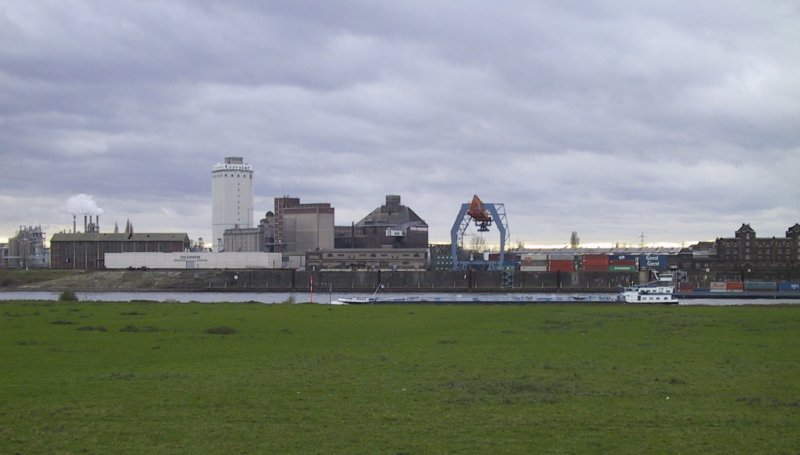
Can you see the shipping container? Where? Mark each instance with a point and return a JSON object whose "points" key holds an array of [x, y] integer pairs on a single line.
{"points": [[595, 259], [734, 286], [685, 287], [595, 263], [595, 268], [561, 257], [533, 262], [654, 262], [789, 286], [759, 286], [622, 268], [718, 286], [560, 266], [624, 262], [623, 257], [533, 268], [533, 256]]}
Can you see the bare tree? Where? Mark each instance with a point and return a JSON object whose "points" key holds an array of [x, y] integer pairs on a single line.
{"points": [[574, 240], [478, 244]]}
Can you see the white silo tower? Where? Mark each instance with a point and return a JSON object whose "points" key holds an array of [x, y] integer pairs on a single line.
{"points": [[232, 198]]}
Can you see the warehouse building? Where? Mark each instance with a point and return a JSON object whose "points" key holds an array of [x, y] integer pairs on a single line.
{"points": [[193, 260], [86, 251], [747, 251]]}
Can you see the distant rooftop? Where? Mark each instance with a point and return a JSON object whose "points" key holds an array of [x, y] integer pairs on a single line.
{"points": [[392, 213]]}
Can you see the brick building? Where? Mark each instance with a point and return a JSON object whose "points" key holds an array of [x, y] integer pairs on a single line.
{"points": [[745, 250]]}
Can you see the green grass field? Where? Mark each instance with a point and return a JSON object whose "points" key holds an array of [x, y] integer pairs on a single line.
{"points": [[248, 378]]}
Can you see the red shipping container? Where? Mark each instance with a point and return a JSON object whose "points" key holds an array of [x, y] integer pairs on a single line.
{"points": [[561, 266], [595, 268], [734, 286], [685, 287], [623, 262], [595, 259], [594, 262]]}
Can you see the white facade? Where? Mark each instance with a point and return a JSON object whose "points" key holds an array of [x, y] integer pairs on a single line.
{"points": [[190, 260], [232, 198]]}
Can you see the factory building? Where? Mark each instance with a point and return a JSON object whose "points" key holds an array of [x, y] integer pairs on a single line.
{"points": [[232, 198], [27, 249], [392, 225], [86, 251], [261, 238], [302, 227]]}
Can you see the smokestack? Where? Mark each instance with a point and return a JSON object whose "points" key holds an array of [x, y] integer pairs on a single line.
{"points": [[97, 223], [74, 223], [85, 224]]}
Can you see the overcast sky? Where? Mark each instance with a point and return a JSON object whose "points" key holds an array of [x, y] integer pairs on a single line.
{"points": [[677, 120]]}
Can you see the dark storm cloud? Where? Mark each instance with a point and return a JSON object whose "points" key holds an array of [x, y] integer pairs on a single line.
{"points": [[612, 118]]}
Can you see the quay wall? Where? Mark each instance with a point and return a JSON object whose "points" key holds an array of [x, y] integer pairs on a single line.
{"points": [[420, 281], [286, 280]]}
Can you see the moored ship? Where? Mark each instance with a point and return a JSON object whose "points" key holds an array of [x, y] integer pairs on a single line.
{"points": [[662, 290]]}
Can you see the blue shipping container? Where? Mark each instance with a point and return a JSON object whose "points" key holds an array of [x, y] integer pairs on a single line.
{"points": [[623, 257], [654, 262], [789, 286], [759, 285]]}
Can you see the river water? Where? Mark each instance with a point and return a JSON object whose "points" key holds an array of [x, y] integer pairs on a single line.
{"points": [[326, 298]]}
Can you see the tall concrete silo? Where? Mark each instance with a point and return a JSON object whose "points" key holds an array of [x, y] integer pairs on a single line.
{"points": [[232, 198]]}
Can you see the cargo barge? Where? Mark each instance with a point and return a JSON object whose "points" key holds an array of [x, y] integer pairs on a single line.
{"points": [[480, 298]]}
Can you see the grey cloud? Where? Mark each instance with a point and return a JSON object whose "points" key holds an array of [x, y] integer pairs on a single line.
{"points": [[577, 116]]}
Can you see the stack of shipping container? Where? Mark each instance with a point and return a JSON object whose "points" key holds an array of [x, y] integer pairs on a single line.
{"points": [[561, 263], [564, 262], [654, 262], [623, 263], [533, 263], [595, 263]]}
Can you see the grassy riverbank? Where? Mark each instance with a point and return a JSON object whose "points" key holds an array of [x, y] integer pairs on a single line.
{"points": [[199, 378]]}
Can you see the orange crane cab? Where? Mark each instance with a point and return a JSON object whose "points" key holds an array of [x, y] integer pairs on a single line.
{"points": [[479, 214]]}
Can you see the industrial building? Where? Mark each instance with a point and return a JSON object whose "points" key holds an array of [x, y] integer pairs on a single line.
{"points": [[392, 225], [260, 238], [293, 228], [389, 259], [232, 198], [86, 250], [747, 250], [302, 227], [26, 249]]}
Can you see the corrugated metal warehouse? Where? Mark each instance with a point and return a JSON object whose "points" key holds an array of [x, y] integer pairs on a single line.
{"points": [[86, 251]]}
